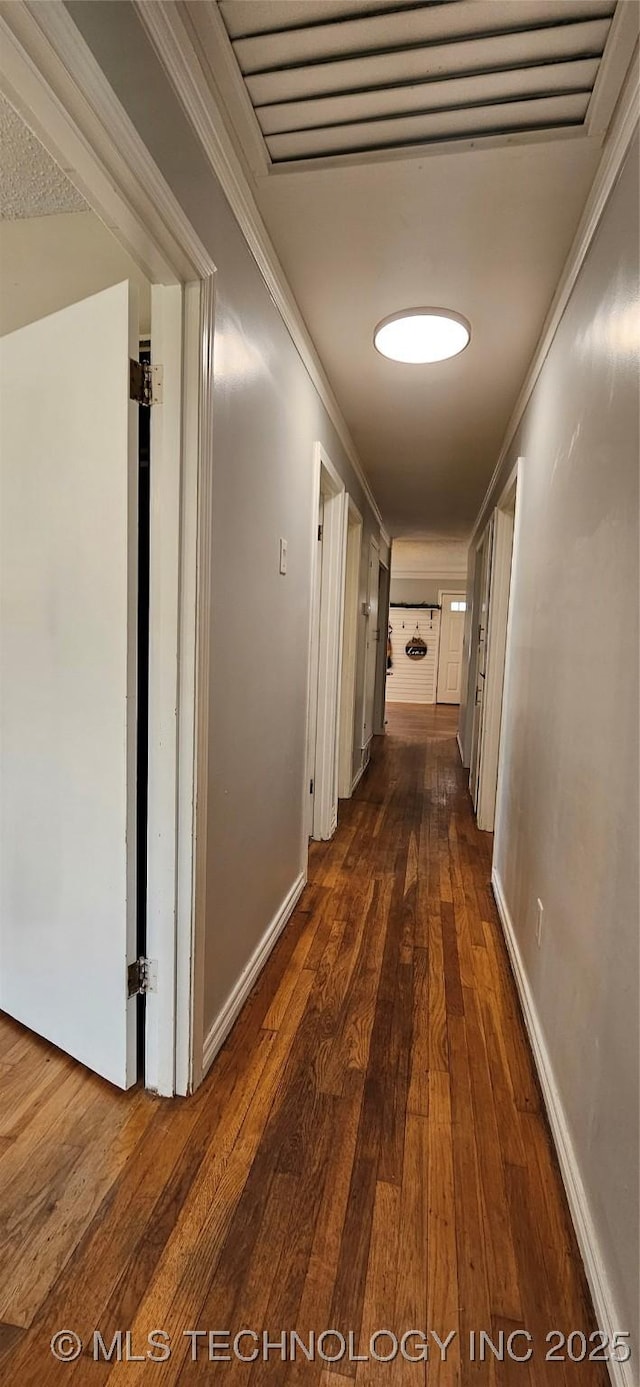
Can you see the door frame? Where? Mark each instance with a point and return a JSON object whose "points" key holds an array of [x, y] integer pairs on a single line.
{"points": [[348, 681], [482, 583], [325, 646], [448, 592], [373, 577], [50, 76], [380, 689], [502, 569]]}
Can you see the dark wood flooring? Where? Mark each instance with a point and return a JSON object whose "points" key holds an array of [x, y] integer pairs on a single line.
{"points": [[369, 1151]]}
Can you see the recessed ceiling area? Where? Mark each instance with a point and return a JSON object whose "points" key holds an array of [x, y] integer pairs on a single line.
{"points": [[469, 209], [337, 83]]}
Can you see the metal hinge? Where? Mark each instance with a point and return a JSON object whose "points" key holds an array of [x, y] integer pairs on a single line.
{"points": [[310, 787], [145, 383], [142, 976], [319, 531]]}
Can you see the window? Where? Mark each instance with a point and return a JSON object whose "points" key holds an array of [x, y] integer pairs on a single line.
{"points": [[458, 606]]}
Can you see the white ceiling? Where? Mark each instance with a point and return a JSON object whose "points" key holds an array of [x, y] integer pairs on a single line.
{"points": [[474, 213], [31, 183], [483, 233]]}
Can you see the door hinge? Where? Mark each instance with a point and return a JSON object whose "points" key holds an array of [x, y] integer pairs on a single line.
{"points": [[310, 787], [319, 531], [142, 976], [145, 383]]}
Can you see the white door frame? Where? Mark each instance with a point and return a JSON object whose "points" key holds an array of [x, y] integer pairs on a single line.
{"points": [[482, 587], [380, 690], [502, 567], [49, 74], [348, 687], [373, 577], [327, 583]]}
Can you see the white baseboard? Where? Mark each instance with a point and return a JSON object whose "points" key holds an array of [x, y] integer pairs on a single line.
{"points": [[621, 1374], [460, 747], [218, 1032], [357, 778]]}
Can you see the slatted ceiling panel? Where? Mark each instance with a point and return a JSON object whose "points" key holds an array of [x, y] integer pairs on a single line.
{"points": [[419, 25], [519, 49], [481, 89], [413, 681], [244, 17], [336, 79], [549, 112]]}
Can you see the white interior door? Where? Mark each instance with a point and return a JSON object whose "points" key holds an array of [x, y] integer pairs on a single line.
{"points": [[68, 595], [453, 608], [371, 648]]}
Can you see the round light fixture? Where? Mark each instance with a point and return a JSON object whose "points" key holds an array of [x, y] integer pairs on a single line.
{"points": [[419, 335]]}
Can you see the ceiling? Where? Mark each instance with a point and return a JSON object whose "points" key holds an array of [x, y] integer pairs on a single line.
{"points": [[434, 154], [417, 74], [31, 183]]}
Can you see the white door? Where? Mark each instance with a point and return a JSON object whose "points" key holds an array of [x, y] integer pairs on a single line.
{"points": [[68, 540], [453, 608], [371, 648]]}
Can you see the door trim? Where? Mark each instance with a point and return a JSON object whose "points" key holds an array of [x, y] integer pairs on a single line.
{"points": [[49, 74], [323, 755], [373, 568], [348, 689]]}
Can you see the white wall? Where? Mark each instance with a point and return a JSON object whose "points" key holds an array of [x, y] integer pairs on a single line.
{"points": [[51, 262], [568, 800], [268, 417], [413, 681], [421, 568]]}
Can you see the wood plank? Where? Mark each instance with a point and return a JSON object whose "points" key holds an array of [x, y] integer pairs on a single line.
{"points": [[368, 1150]]}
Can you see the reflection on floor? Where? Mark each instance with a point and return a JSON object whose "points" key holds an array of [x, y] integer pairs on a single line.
{"points": [[368, 1152]]}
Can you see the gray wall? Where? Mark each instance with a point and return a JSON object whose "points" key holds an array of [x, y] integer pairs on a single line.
{"points": [[267, 417], [568, 806]]}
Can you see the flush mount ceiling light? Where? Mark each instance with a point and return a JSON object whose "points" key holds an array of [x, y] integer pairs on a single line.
{"points": [[419, 335]]}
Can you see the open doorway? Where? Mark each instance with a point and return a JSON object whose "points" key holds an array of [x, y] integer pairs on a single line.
{"points": [[494, 575], [85, 303], [380, 691], [348, 685], [326, 643]]}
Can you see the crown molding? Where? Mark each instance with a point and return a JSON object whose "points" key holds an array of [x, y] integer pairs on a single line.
{"points": [[174, 46], [49, 74], [621, 132]]}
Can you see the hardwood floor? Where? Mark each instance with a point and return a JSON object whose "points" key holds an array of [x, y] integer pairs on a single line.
{"points": [[369, 1151]]}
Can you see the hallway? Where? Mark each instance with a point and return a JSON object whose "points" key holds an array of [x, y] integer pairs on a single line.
{"points": [[367, 1153]]}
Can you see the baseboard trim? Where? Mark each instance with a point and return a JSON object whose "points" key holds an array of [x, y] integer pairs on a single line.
{"points": [[357, 778], [460, 747], [603, 1303], [218, 1032]]}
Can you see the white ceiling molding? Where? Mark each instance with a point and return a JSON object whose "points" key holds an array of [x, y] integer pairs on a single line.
{"points": [[50, 76], [623, 128], [175, 48]]}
